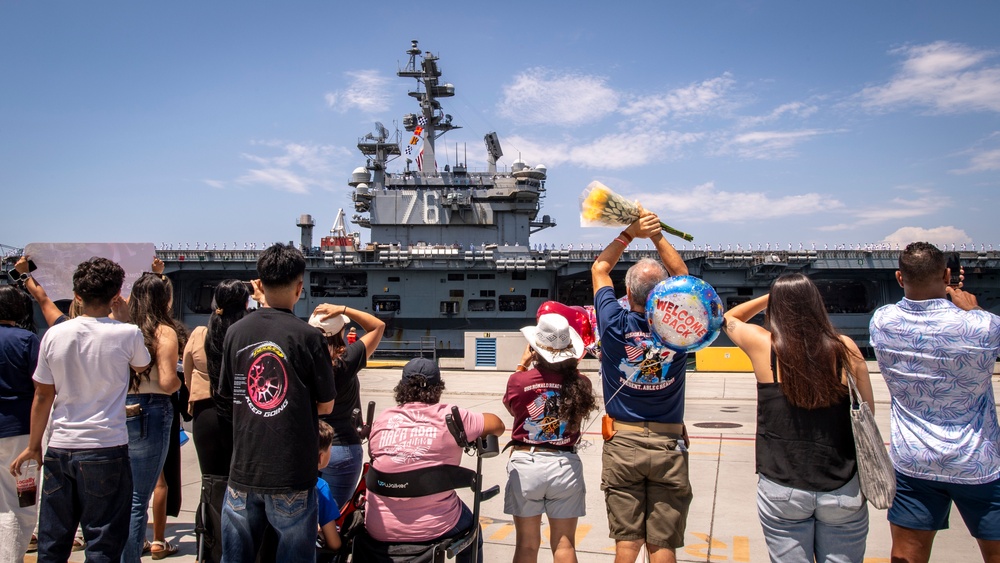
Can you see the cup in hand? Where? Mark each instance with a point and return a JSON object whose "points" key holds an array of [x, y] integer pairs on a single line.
{"points": [[27, 484]]}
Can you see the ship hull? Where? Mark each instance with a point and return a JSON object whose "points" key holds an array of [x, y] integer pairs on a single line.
{"points": [[431, 303]]}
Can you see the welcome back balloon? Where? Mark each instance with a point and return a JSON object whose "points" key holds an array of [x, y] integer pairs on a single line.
{"points": [[685, 313]]}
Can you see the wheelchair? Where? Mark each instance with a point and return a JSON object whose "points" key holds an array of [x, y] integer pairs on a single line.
{"points": [[360, 547]]}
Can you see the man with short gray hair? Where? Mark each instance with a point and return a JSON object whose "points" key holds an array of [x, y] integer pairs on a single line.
{"points": [[645, 461]]}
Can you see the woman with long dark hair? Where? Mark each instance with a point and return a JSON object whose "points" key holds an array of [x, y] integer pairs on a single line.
{"points": [[346, 453], [545, 474], [18, 358], [808, 497], [213, 435], [213, 431], [149, 412]]}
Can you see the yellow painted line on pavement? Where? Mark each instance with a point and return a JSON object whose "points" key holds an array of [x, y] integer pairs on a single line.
{"points": [[502, 533]]}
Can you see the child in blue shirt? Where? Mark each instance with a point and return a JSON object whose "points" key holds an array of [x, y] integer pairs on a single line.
{"points": [[328, 510]]}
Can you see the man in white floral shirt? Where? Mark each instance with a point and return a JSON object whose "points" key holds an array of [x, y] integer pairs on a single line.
{"points": [[937, 349]]}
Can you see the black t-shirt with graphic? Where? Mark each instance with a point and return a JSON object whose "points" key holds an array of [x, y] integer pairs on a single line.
{"points": [[275, 368], [345, 374]]}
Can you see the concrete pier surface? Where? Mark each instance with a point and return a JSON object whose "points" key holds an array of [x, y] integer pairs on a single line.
{"points": [[723, 524]]}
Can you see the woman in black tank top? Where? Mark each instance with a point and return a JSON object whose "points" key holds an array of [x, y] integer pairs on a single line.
{"points": [[808, 498]]}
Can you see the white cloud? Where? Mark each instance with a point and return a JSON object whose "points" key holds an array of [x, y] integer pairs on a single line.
{"points": [[943, 76], [366, 91], [768, 145], [792, 109], [217, 184], [311, 158], [873, 213], [620, 150], [706, 201], [937, 235], [899, 208], [297, 169], [982, 161], [700, 98], [837, 227], [277, 178], [543, 96]]}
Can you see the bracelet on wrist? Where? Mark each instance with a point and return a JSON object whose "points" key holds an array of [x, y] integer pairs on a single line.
{"points": [[619, 239], [624, 235]]}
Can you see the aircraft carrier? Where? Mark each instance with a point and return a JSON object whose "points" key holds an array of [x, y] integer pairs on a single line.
{"points": [[450, 249]]}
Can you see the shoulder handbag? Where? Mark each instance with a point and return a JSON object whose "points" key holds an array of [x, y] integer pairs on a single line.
{"points": [[875, 471]]}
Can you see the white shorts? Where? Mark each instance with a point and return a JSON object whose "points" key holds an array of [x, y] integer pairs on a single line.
{"points": [[545, 482]]}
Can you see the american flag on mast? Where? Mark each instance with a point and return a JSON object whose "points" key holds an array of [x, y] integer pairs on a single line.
{"points": [[420, 161]]}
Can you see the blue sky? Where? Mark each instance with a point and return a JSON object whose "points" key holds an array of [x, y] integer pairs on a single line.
{"points": [[188, 123]]}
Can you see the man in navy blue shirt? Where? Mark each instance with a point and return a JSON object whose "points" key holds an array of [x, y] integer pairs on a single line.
{"points": [[645, 461]]}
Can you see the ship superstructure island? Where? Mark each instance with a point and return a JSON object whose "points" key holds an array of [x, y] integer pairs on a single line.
{"points": [[450, 248]]}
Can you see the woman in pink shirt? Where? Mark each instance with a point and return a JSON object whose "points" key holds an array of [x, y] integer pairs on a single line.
{"points": [[414, 435]]}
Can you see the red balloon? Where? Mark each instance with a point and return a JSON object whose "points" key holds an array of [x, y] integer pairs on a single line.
{"points": [[586, 328], [577, 318]]}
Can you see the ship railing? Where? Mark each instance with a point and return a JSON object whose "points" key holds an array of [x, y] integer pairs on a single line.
{"points": [[424, 347], [341, 259], [208, 255], [520, 264]]}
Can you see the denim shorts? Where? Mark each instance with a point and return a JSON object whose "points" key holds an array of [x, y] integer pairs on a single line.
{"points": [[921, 504], [548, 483]]}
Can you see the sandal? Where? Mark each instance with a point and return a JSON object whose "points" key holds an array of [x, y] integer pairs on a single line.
{"points": [[146, 548], [165, 549], [79, 544], [33, 544]]}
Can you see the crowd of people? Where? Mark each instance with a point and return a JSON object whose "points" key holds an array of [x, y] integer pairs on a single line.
{"points": [[272, 401]]}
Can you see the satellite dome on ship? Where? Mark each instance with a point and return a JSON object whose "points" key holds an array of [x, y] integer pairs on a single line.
{"points": [[359, 176]]}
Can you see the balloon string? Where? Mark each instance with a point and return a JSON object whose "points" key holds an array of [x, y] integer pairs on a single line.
{"points": [[605, 409]]}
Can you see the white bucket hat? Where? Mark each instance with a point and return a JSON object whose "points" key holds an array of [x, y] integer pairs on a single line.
{"points": [[331, 326], [553, 339]]}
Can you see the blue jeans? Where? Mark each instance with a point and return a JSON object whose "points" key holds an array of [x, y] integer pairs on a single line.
{"points": [[799, 525], [343, 471], [91, 488], [292, 515], [148, 440], [463, 524]]}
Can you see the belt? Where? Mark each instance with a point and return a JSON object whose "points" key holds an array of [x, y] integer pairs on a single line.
{"points": [[671, 428], [539, 448]]}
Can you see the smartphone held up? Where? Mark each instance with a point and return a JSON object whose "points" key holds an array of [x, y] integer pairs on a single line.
{"points": [[955, 267]]}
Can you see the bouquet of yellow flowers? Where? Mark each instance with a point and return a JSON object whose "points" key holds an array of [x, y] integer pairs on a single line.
{"points": [[600, 206]]}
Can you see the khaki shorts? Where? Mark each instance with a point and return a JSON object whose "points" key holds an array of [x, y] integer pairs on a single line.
{"points": [[646, 488]]}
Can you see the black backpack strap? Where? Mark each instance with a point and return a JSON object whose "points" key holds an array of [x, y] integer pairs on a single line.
{"points": [[419, 482]]}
